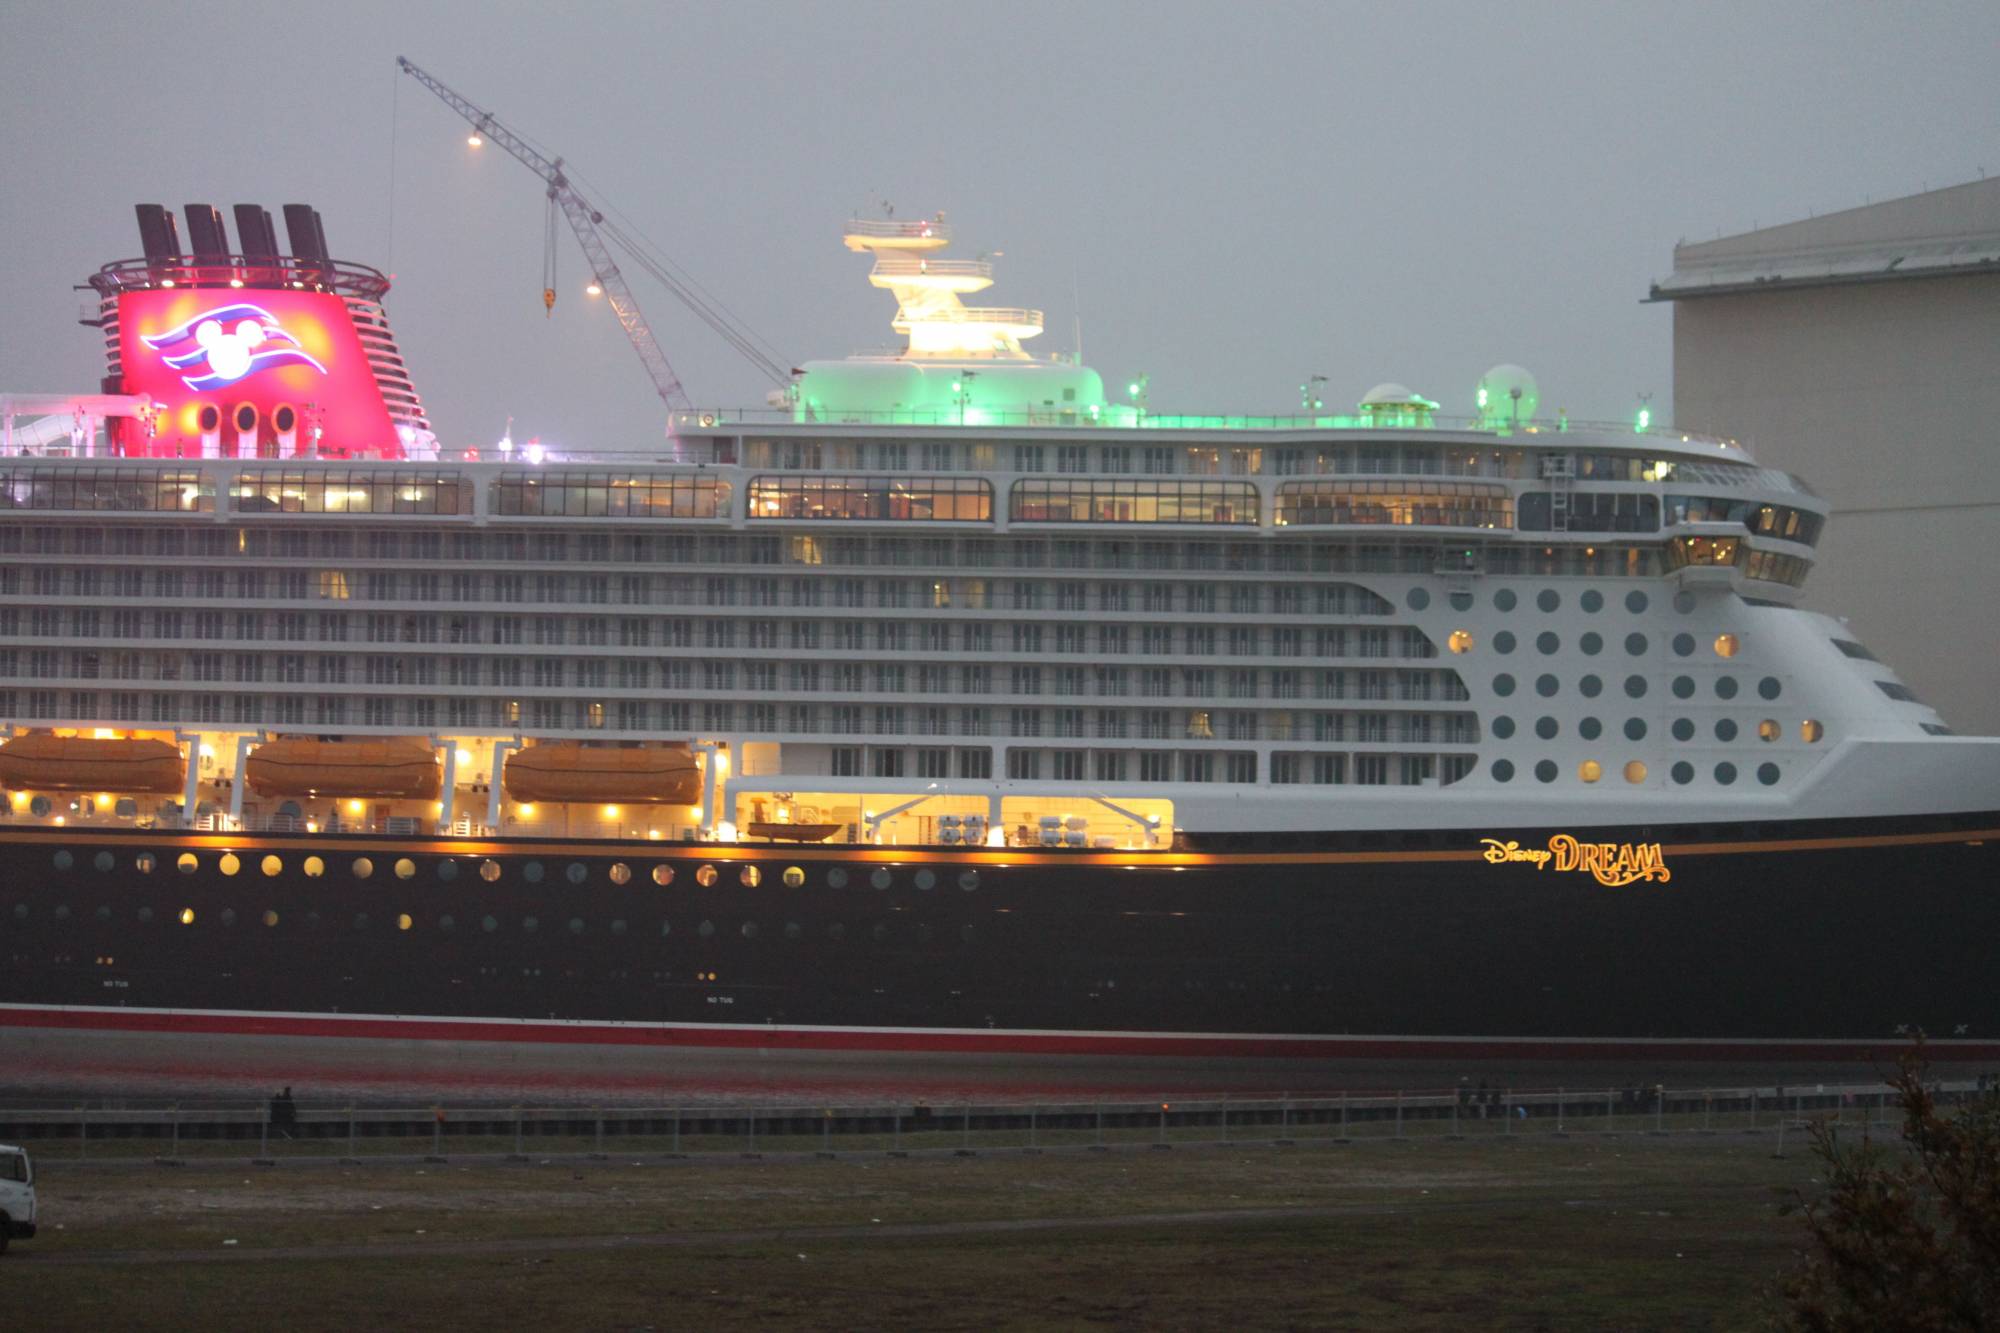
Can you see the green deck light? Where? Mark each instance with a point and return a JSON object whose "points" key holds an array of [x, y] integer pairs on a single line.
{"points": [[1644, 421]]}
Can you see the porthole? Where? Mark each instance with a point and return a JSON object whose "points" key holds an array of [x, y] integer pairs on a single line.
{"points": [[1683, 644], [1635, 728], [880, 930], [403, 921], [1725, 645], [1635, 687], [750, 877], [104, 861], [881, 879], [1503, 685], [1546, 728], [145, 863], [314, 867], [1635, 645], [1503, 770], [1503, 727], [447, 870], [576, 872], [706, 930], [530, 924], [1767, 774], [794, 877], [270, 918], [1589, 728], [489, 924], [1725, 729], [312, 920], [663, 875], [1810, 731], [926, 879], [489, 870], [1419, 599], [1459, 642], [102, 913], [1592, 601], [1545, 771], [1548, 599], [62, 912], [363, 867], [271, 866], [794, 931], [666, 928], [836, 878], [1590, 686], [447, 923], [1768, 730], [187, 916], [1503, 643], [405, 868], [1683, 728], [145, 913], [1636, 602], [229, 864], [576, 925], [1635, 772], [1682, 773], [705, 876], [1589, 770], [1769, 688], [1548, 643], [836, 931], [361, 920], [21, 912], [620, 873], [1460, 601], [1683, 687], [1684, 602], [1547, 685], [532, 872], [187, 863], [968, 880], [749, 930], [1725, 687], [1725, 773], [1592, 643], [1504, 600], [618, 926]]}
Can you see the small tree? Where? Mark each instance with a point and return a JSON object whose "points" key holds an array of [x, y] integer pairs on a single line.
{"points": [[1905, 1236]]}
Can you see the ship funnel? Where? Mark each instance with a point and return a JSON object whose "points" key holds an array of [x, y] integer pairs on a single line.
{"points": [[255, 233], [158, 233], [208, 239]]}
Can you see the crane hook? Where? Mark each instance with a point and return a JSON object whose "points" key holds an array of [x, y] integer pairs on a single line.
{"points": [[549, 301]]}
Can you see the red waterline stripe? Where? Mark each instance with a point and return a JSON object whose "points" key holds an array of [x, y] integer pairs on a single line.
{"points": [[997, 1042]]}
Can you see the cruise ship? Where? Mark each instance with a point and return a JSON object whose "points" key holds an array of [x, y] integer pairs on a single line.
{"points": [[944, 703]]}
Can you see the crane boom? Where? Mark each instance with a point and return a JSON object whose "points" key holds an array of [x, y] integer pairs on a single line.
{"points": [[583, 220]]}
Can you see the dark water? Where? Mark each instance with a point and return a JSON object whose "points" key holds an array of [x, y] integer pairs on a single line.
{"points": [[39, 1066]]}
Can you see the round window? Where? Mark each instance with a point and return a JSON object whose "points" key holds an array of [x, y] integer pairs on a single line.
{"points": [[1635, 686], [881, 879], [836, 878], [1546, 728], [1589, 770], [1635, 645], [1684, 602], [1546, 686], [229, 864], [1591, 686], [1635, 728], [1768, 729], [532, 872], [1504, 600], [405, 868], [1725, 645], [186, 863], [489, 870], [1545, 771], [1503, 727], [1683, 728], [1725, 687], [1683, 773], [104, 861], [1769, 688], [1592, 601], [705, 876], [1548, 643], [1767, 774], [968, 880], [576, 872], [1503, 770], [1725, 729], [1503, 685], [363, 867], [1810, 731], [926, 879], [1503, 643], [1459, 642], [1725, 773], [1683, 644], [1419, 599], [313, 866], [663, 875], [750, 877], [1635, 772], [794, 877], [271, 866], [620, 873], [1592, 643], [1589, 728], [1548, 599], [1683, 687], [1636, 603]]}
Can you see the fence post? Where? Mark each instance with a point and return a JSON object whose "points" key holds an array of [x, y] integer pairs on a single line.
{"points": [[437, 1131], [1285, 1117], [1454, 1116], [826, 1131], [965, 1128], [1559, 1110], [1660, 1110], [896, 1129], [1225, 1117], [750, 1116], [264, 1134], [1099, 1107], [600, 1131], [517, 1130], [83, 1131], [1753, 1108], [677, 1131], [175, 1150], [1506, 1111], [1399, 1113], [1163, 1122], [1343, 1113], [1610, 1114], [350, 1130], [1031, 1126]]}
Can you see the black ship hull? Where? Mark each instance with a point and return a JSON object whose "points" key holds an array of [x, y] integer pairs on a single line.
{"points": [[1795, 941]]}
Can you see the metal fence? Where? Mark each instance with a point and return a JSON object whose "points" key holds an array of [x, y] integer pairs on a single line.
{"points": [[176, 1132]]}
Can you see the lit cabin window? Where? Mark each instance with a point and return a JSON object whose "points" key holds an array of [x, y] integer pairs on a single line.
{"points": [[1635, 772], [1459, 642], [1811, 731], [1768, 730], [1726, 645], [1589, 770]]}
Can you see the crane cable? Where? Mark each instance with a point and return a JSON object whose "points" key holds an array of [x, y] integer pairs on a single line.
{"points": [[549, 259]]}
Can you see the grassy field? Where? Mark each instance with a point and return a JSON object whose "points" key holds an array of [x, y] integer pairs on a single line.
{"points": [[1600, 1232]]}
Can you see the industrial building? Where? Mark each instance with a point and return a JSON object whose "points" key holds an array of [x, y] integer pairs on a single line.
{"points": [[1861, 350]]}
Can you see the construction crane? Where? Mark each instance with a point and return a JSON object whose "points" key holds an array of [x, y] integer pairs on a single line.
{"points": [[590, 227]]}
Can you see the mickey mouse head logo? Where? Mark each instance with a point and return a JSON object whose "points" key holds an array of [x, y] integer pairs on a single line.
{"points": [[229, 350]]}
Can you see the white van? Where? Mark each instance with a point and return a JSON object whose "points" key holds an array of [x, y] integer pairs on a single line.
{"points": [[17, 1195]]}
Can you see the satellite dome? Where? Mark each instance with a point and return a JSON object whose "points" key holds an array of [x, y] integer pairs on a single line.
{"points": [[1507, 397], [1393, 404], [1390, 392]]}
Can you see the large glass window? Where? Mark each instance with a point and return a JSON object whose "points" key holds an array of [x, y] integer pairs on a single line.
{"points": [[131, 489], [1768, 520], [1133, 500], [349, 491], [1422, 503], [946, 499], [567, 494]]}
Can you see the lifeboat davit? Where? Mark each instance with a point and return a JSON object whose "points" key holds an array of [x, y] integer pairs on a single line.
{"points": [[41, 761], [299, 766], [634, 775]]}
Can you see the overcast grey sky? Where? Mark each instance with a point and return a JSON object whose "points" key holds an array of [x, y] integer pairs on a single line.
{"points": [[1242, 194]]}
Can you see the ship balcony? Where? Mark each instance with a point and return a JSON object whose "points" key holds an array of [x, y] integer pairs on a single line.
{"points": [[939, 275], [889, 234], [1009, 321]]}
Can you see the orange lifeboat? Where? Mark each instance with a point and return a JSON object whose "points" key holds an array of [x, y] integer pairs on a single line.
{"points": [[298, 766], [636, 775], [41, 761]]}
